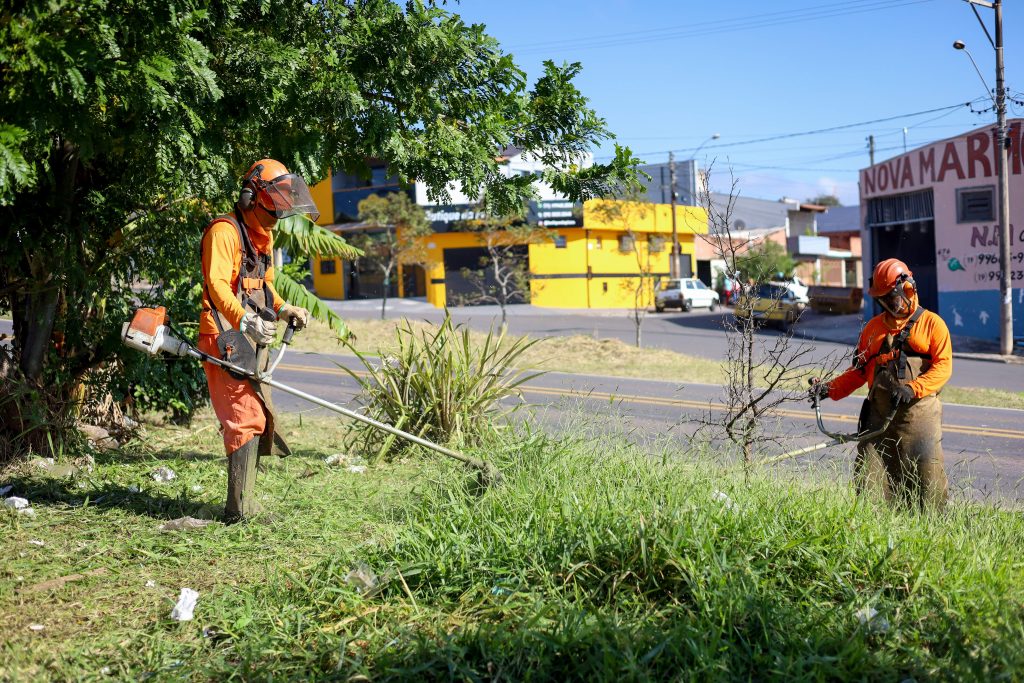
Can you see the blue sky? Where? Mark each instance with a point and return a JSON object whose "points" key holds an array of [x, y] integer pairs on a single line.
{"points": [[669, 74]]}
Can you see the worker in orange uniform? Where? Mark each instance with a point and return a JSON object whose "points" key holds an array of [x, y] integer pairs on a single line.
{"points": [[239, 320], [905, 356]]}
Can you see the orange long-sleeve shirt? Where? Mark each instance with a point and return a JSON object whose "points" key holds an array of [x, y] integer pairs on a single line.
{"points": [[930, 336], [222, 262]]}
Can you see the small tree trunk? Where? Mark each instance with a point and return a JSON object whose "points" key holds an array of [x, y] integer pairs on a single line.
{"points": [[33, 330]]}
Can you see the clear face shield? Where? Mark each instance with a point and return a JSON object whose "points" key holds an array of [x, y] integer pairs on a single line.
{"points": [[288, 195]]}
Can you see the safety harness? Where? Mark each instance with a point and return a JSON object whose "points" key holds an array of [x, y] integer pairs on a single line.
{"points": [[899, 345], [251, 274]]}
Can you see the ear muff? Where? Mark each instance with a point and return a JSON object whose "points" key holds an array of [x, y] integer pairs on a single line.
{"points": [[248, 193]]}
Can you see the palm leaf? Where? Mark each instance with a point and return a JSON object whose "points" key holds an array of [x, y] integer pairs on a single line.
{"points": [[297, 295], [300, 237]]}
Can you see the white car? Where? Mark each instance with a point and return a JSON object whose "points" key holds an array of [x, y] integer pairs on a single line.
{"points": [[797, 286], [686, 293]]}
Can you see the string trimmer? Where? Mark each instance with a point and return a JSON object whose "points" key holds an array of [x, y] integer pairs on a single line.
{"points": [[150, 332], [837, 439]]}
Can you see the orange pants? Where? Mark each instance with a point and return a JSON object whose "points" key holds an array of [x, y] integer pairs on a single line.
{"points": [[236, 404]]}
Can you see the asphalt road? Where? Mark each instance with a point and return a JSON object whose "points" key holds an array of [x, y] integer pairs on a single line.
{"points": [[984, 447], [698, 333]]}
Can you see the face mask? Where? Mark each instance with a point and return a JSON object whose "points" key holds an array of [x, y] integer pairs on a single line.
{"points": [[895, 302]]}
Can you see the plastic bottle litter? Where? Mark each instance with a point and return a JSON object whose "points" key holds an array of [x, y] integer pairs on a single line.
{"points": [[356, 469], [183, 523], [868, 616], [164, 474], [362, 578], [186, 605]]}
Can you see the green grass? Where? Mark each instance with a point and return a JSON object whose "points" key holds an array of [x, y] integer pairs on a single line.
{"points": [[596, 561]]}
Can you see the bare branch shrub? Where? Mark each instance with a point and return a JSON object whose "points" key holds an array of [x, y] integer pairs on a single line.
{"points": [[763, 372]]}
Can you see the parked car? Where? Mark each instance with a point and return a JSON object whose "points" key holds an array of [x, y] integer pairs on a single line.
{"points": [[686, 293], [772, 303], [797, 286]]}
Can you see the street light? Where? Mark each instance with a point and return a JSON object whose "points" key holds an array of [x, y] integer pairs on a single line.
{"points": [[999, 100], [675, 266]]}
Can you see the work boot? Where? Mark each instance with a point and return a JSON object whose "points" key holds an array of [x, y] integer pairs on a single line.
{"points": [[241, 503]]}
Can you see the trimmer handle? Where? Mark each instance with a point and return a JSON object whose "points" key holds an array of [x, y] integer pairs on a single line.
{"points": [[289, 332]]}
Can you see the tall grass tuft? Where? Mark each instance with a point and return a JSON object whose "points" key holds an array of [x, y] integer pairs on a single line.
{"points": [[440, 385], [598, 562]]}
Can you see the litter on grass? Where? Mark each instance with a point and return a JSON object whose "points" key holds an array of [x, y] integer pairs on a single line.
{"points": [[4, 490], [335, 459], [151, 584], [361, 578], [724, 499], [36, 541], [185, 606], [183, 523], [134, 488], [356, 469], [164, 474], [16, 502], [868, 616], [35, 627]]}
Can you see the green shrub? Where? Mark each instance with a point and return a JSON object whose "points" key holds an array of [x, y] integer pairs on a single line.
{"points": [[439, 385]]}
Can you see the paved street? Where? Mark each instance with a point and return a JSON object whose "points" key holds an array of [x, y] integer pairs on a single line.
{"points": [[983, 446], [696, 333]]}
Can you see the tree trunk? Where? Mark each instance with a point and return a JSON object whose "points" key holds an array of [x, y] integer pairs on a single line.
{"points": [[33, 329], [384, 294]]}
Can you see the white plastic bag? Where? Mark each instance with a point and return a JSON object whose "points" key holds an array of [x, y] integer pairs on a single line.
{"points": [[186, 605]]}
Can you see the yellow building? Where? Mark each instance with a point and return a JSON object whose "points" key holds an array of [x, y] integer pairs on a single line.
{"points": [[597, 265]]}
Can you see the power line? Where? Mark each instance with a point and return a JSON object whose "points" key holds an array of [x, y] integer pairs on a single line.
{"points": [[818, 131], [747, 24]]}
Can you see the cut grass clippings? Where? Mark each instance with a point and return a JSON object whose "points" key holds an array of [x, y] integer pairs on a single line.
{"points": [[597, 357], [595, 561]]}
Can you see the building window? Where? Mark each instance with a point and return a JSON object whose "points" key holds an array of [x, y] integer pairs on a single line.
{"points": [[626, 243], [656, 244], [328, 267], [976, 204], [560, 242]]}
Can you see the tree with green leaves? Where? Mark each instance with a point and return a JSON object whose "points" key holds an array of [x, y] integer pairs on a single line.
{"points": [[825, 200], [763, 262], [395, 226], [125, 128]]}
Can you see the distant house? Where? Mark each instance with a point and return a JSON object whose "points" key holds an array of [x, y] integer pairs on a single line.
{"points": [[843, 267], [589, 261], [788, 222]]}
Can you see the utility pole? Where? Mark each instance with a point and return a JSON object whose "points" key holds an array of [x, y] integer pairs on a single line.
{"points": [[673, 266], [1005, 291], [871, 149], [1001, 144]]}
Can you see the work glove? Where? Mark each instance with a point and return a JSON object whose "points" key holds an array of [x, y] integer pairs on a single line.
{"points": [[904, 393], [262, 332], [296, 314], [818, 390]]}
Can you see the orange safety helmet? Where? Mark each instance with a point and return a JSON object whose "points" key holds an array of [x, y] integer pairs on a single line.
{"points": [[269, 185], [887, 275], [892, 286]]}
